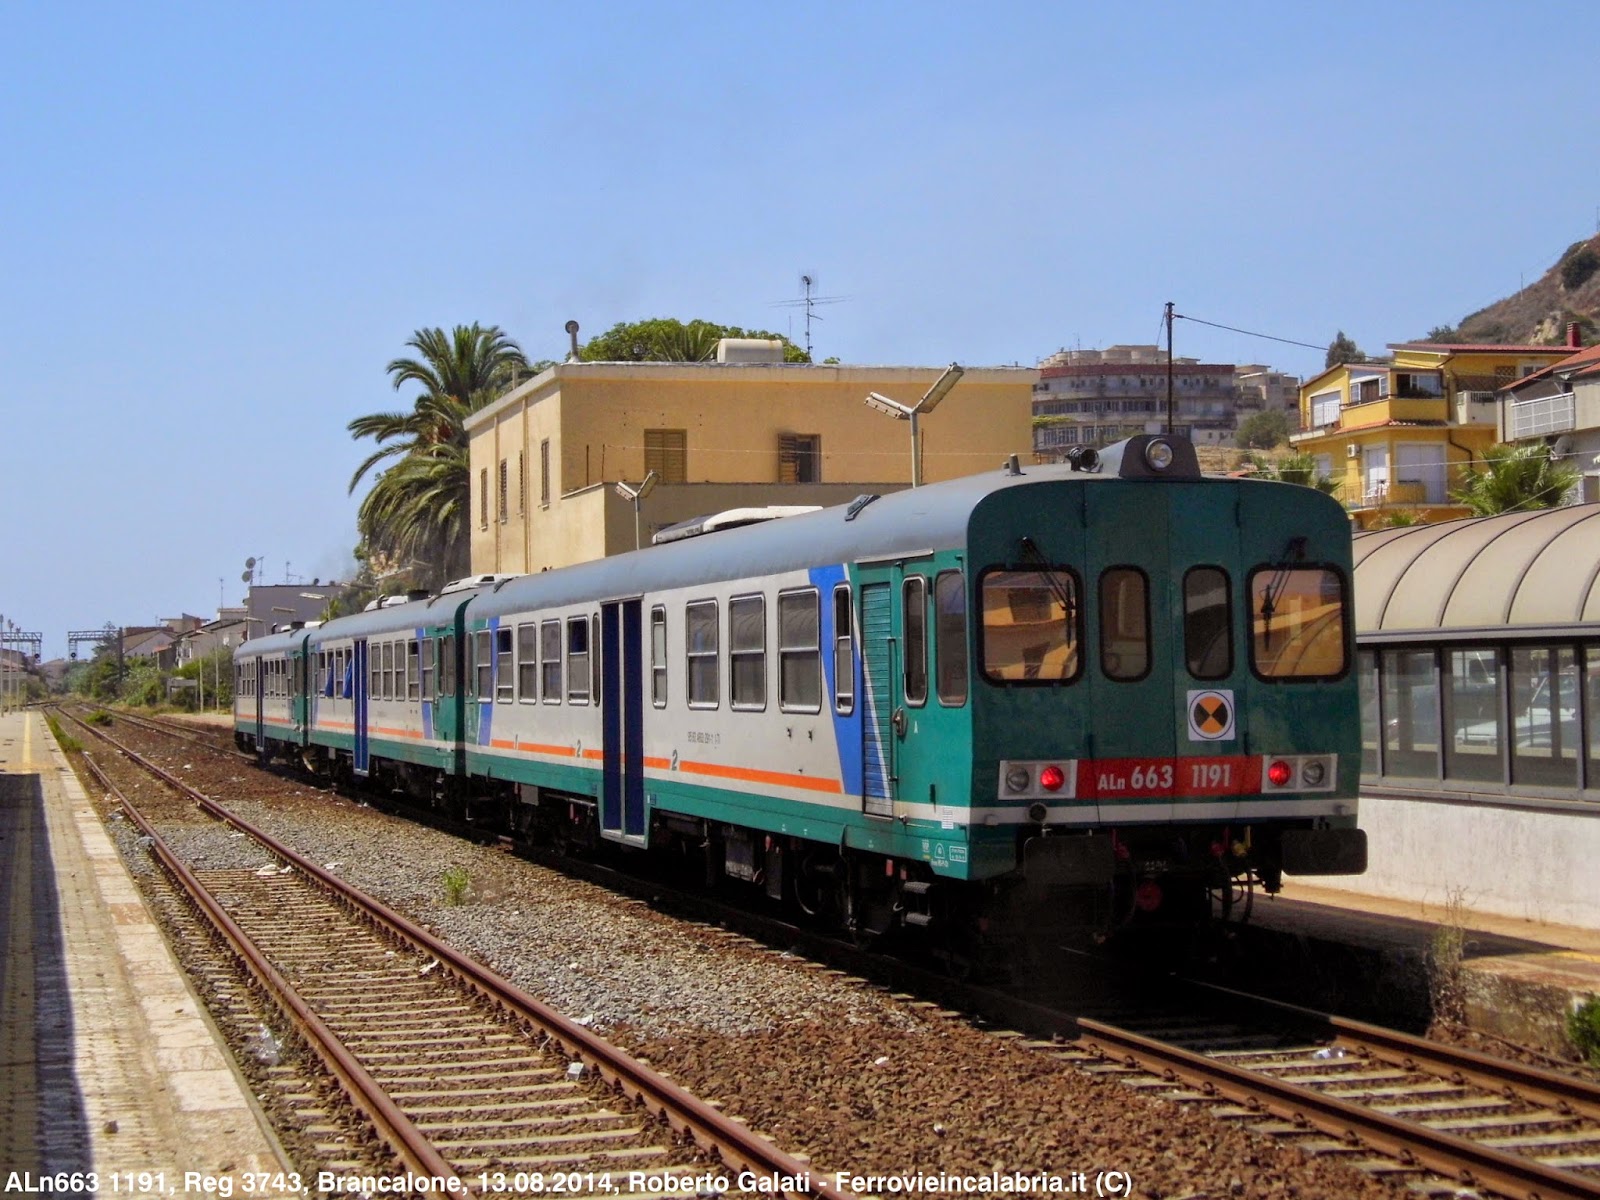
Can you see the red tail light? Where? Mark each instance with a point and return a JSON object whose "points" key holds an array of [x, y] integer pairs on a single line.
{"points": [[1279, 773], [1052, 778]]}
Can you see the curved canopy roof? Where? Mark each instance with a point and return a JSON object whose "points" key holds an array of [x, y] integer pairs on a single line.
{"points": [[1526, 573]]}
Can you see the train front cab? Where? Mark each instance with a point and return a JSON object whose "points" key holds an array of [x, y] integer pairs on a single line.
{"points": [[1165, 708]]}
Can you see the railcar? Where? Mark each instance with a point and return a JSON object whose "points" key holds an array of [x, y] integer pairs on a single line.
{"points": [[1112, 691]]}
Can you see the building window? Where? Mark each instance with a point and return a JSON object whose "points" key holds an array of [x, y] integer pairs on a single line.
{"points": [[1324, 409], [700, 637], [550, 657], [799, 458], [914, 602], [658, 656], [799, 652], [483, 498], [844, 659], [505, 491], [528, 662], [578, 660], [544, 473], [666, 452], [747, 652]]}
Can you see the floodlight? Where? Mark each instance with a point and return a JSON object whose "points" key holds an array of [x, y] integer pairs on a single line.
{"points": [[940, 389], [890, 407]]}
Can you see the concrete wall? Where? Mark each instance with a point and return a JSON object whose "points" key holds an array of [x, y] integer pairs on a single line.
{"points": [[1517, 862]]}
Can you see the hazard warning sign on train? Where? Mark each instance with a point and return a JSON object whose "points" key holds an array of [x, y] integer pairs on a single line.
{"points": [[1211, 715]]}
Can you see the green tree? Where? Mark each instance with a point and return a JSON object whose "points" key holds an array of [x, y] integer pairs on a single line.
{"points": [[1263, 430], [417, 510], [1342, 350], [1517, 479], [1301, 469], [666, 339]]}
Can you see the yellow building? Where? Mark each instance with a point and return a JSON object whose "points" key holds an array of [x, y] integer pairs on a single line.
{"points": [[547, 456], [1398, 436]]}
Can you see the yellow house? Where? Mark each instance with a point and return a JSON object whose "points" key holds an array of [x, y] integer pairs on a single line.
{"points": [[547, 457], [1398, 436]]}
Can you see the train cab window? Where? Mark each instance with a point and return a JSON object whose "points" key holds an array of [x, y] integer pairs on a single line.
{"points": [[658, 656], [914, 602], [594, 658], [505, 679], [1030, 626], [578, 660], [799, 652], [528, 662], [844, 659], [483, 665], [550, 658], [413, 671], [700, 640], [1207, 623], [950, 637], [747, 653], [425, 654], [1297, 621], [1124, 624]]}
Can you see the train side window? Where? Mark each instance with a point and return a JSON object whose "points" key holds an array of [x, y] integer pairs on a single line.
{"points": [[1124, 624], [844, 659], [1297, 621], [505, 680], [413, 671], [550, 662], [528, 662], [799, 652], [1207, 623], [1030, 626], [914, 602], [386, 673], [483, 665], [700, 640], [447, 665], [658, 656], [594, 658], [578, 660], [950, 637], [747, 653], [425, 652]]}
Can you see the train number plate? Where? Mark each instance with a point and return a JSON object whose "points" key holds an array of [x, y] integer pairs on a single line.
{"points": [[1153, 778]]}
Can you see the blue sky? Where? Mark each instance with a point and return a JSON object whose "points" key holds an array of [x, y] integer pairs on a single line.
{"points": [[219, 222]]}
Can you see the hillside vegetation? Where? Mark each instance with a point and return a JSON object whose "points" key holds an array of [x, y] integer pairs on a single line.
{"points": [[1539, 313]]}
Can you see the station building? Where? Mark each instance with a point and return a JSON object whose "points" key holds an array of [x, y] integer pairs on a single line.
{"points": [[1479, 663], [547, 456]]}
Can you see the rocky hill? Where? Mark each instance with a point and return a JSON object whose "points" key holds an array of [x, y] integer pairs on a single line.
{"points": [[1539, 313]]}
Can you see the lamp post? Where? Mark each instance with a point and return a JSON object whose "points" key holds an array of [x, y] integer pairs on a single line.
{"points": [[636, 494], [901, 412]]}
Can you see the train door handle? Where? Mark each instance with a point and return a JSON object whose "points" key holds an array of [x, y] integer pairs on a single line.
{"points": [[898, 720]]}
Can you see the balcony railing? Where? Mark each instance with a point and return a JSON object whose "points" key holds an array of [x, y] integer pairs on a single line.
{"points": [[1547, 414]]}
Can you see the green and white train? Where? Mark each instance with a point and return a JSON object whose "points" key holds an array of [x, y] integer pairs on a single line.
{"points": [[1112, 691]]}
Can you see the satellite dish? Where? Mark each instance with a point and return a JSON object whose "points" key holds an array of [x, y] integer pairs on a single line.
{"points": [[250, 562], [247, 576]]}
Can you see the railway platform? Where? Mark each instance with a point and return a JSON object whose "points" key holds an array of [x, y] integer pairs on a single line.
{"points": [[108, 1063], [1517, 979]]}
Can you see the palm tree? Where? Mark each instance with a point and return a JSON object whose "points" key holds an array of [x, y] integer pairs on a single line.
{"points": [[1301, 469], [417, 508], [1517, 479]]}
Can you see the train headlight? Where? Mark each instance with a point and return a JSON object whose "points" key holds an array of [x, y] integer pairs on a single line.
{"points": [[1279, 773], [1313, 773], [1017, 779], [1052, 778], [1158, 455]]}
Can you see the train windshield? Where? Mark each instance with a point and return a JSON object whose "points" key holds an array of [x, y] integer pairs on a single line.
{"points": [[1030, 629], [1297, 623]]}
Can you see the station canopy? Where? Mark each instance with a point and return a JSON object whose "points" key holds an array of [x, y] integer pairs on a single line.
{"points": [[1525, 574]]}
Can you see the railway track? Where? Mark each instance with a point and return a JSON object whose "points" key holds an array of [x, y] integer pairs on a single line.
{"points": [[457, 1074], [1442, 1118]]}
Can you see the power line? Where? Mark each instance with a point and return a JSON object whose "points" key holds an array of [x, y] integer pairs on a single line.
{"points": [[1248, 332]]}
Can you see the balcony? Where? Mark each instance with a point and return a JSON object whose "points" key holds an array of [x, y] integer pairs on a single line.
{"points": [[1476, 408], [1536, 418]]}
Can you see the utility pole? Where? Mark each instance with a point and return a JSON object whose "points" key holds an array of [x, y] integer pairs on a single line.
{"points": [[1169, 367]]}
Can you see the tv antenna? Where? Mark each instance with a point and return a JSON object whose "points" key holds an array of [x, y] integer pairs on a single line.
{"points": [[809, 301]]}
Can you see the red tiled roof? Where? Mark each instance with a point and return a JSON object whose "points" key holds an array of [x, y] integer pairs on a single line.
{"points": [[1455, 348], [1136, 369], [1580, 365]]}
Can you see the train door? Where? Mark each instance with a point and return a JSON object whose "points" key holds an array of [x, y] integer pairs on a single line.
{"points": [[622, 684], [879, 700], [1128, 586], [258, 666], [359, 708]]}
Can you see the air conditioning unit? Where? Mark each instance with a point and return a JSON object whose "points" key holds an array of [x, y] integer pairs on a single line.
{"points": [[1352, 450]]}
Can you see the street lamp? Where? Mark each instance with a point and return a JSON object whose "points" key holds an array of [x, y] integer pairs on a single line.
{"points": [[636, 494], [930, 400]]}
